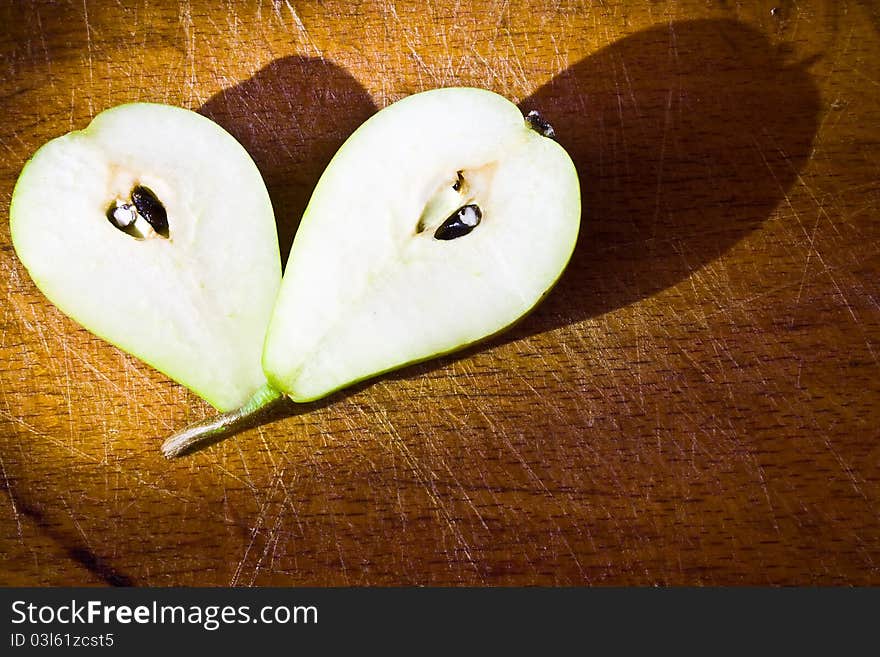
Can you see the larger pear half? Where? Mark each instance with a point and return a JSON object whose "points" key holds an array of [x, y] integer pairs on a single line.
{"points": [[153, 229], [442, 220]]}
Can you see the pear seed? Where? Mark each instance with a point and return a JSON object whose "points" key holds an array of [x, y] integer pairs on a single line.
{"points": [[143, 213], [459, 223], [151, 209], [122, 215], [538, 124], [459, 179]]}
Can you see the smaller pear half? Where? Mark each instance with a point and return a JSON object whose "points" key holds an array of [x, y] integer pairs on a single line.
{"points": [[441, 221], [153, 229]]}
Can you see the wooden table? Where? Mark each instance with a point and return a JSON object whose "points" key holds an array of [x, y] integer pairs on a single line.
{"points": [[697, 402]]}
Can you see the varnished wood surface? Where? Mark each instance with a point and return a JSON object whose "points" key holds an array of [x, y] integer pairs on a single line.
{"points": [[698, 401]]}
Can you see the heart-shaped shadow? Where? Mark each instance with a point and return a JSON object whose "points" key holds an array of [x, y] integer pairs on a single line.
{"points": [[685, 136], [292, 116]]}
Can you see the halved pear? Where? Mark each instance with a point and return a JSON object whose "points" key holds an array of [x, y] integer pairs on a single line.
{"points": [[153, 229], [442, 220]]}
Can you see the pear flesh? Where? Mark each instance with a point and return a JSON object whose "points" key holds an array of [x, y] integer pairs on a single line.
{"points": [[442, 220], [191, 297]]}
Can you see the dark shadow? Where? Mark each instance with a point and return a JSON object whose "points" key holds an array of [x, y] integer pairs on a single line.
{"points": [[685, 136], [292, 116], [71, 544]]}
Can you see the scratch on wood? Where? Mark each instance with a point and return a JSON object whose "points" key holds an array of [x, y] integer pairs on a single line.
{"points": [[302, 28], [8, 487], [89, 49], [255, 530], [424, 480]]}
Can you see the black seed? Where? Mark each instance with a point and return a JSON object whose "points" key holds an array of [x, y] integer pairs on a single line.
{"points": [[151, 209], [457, 184], [460, 223], [129, 228], [121, 216], [538, 124]]}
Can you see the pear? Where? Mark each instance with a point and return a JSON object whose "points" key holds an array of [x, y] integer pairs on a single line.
{"points": [[153, 229], [441, 221]]}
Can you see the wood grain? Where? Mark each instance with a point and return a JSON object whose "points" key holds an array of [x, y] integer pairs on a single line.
{"points": [[697, 402]]}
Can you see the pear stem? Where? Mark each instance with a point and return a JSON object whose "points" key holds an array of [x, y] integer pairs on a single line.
{"points": [[214, 429]]}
